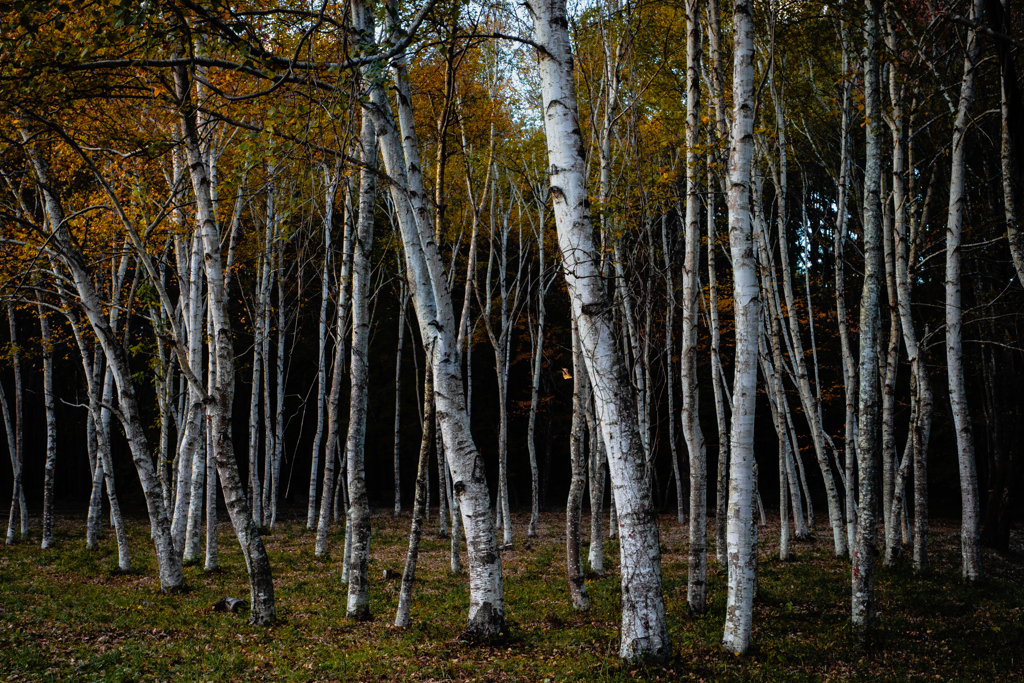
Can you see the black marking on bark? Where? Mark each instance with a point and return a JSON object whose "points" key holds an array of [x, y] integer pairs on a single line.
{"points": [[597, 308]]}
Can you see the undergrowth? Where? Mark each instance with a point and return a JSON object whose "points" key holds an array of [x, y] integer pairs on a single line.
{"points": [[68, 614]]}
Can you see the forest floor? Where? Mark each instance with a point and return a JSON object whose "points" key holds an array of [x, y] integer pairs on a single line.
{"points": [[66, 614]]}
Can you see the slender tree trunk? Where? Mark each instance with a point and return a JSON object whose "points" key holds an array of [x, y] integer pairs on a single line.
{"points": [[15, 466], [863, 600], [849, 366], [19, 508], [168, 561], [595, 463], [331, 184], [670, 307], [51, 427], [970, 529], [419, 503], [696, 589], [403, 302], [212, 550], [359, 508], [438, 330], [741, 544], [644, 633], [574, 506], [812, 411], [219, 407]]}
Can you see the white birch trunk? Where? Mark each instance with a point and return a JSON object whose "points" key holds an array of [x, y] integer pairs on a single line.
{"points": [[51, 426], [849, 366], [812, 411], [219, 407], [168, 561], [358, 525], [644, 633], [577, 483], [741, 544], [863, 601], [19, 508], [438, 329], [595, 464], [403, 302], [697, 568], [331, 184], [419, 503], [970, 530]]}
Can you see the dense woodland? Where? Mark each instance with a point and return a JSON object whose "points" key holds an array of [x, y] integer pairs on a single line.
{"points": [[460, 259]]}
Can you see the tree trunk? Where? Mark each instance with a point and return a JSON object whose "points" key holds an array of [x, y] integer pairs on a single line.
{"points": [[331, 187], [741, 548], [644, 633], [697, 572], [403, 302], [970, 529], [51, 426], [359, 507], [419, 503], [863, 600], [574, 506], [432, 298], [219, 407]]}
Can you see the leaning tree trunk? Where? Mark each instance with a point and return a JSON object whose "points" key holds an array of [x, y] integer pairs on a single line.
{"points": [[19, 508], [15, 465], [168, 561], [432, 298], [220, 402], [812, 411], [741, 548], [419, 503], [644, 632]]}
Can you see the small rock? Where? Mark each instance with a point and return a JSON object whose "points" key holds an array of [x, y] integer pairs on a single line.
{"points": [[230, 604]]}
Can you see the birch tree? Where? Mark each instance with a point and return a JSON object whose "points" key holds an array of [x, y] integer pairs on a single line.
{"points": [[644, 633], [863, 603], [741, 548], [696, 589], [432, 299], [970, 530]]}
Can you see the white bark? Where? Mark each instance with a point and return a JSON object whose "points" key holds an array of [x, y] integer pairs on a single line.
{"points": [[697, 568], [419, 503], [19, 508], [403, 302], [51, 426], [331, 187], [432, 299], [358, 525], [741, 548], [168, 561], [970, 530], [644, 633], [219, 407], [809, 401], [863, 602], [577, 483]]}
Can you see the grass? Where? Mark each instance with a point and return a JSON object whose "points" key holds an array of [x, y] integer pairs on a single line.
{"points": [[68, 614]]}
